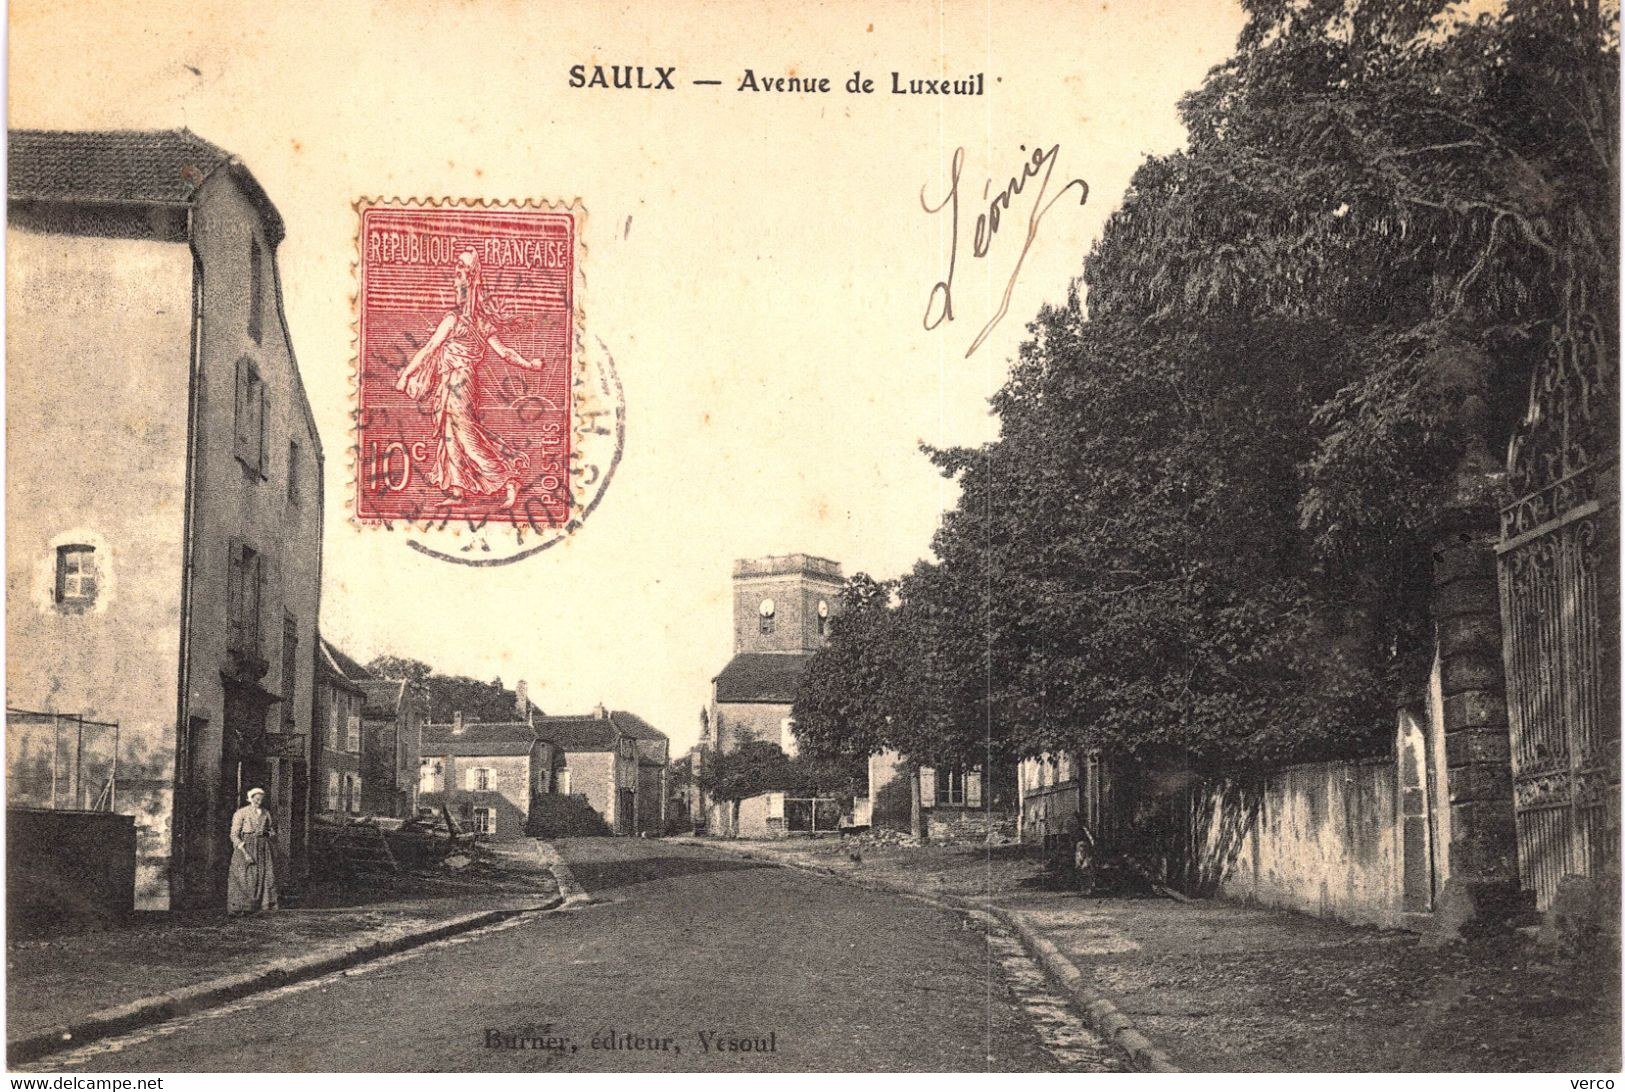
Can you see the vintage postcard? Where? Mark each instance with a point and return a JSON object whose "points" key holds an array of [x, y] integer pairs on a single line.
{"points": [[910, 537]]}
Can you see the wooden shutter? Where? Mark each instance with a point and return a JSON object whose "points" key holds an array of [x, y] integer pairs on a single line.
{"points": [[973, 788], [255, 588], [234, 594], [241, 413], [928, 787], [261, 457]]}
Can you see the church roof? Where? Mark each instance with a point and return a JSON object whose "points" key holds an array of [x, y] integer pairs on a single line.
{"points": [[765, 677]]}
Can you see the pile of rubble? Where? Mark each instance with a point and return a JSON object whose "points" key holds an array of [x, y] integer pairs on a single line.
{"points": [[372, 844]]}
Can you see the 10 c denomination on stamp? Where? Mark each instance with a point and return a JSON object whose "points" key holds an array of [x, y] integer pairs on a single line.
{"points": [[468, 369]]}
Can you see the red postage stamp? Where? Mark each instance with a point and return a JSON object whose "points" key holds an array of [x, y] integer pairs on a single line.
{"points": [[467, 346]]}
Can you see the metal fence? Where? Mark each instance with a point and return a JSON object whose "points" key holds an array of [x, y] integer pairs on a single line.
{"points": [[61, 761], [812, 814]]}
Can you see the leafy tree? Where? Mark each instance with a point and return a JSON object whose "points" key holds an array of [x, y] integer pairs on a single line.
{"points": [[756, 766], [400, 667], [1203, 528]]}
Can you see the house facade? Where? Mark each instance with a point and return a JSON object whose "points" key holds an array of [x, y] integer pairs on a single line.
{"points": [[653, 758], [486, 775], [340, 700], [606, 755], [957, 803], [391, 719], [164, 487]]}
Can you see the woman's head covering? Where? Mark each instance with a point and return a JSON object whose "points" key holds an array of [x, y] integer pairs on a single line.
{"points": [[255, 789]]}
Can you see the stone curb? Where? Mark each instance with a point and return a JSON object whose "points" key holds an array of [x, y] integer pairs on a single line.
{"points": [[1099, 1011], [206, 995], [552, 860]]}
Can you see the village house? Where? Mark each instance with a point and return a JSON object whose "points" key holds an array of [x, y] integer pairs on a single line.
{"points": [[340, 699], [653, 755], [609, 760], [391, 719], [487, 775], [164, 487]]}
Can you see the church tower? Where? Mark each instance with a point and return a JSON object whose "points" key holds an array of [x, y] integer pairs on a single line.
{"points": [[784, 604], [783, 607]]}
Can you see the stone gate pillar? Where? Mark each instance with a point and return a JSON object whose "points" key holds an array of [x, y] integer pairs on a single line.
{"points": [[1483, 846]]}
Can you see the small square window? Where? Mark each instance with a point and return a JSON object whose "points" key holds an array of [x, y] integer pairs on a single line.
{"points": [[76, 575]]}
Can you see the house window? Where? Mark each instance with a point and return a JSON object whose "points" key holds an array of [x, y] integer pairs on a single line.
{"points": [[431, 774], [563, 786], [480, 779], [293, 472], [484, 821], [352, 733], [243, 586], [951, 786], [256, 292], [250, 417], [290, 663], [352, 793], [332, 719], [76, 578], [332, 790]]}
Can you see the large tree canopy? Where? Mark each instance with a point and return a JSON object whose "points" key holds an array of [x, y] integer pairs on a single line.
{"points": [[1204, 526]]}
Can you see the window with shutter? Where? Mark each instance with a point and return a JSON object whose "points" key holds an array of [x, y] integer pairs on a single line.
{"points": [[250, 417], [332, 790], [928, 786], [352, 733], [973, 788]]}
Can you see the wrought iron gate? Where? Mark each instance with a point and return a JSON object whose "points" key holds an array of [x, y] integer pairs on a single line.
{"points": [[1558, 561]]}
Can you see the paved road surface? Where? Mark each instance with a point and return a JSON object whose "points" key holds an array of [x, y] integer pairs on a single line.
{"points": [[690, 960]]}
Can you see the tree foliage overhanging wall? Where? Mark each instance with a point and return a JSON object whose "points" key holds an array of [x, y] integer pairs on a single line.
{"points": [[1203, 528]]}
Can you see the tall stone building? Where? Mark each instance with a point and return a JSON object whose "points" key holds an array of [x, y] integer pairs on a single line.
{"points": [[163, 487], [781, 617]]}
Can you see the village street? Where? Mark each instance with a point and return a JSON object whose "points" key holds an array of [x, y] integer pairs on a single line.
{"points": [[683, 950]]}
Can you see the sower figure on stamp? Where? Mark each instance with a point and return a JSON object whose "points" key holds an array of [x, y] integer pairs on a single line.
{"points": [[469, 459], [251, 882]]}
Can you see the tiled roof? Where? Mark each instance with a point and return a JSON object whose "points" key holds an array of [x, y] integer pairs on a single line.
{"points": [[768, 677], [383, 696], [332, 663], [466, 749], [506, 738], [585, 733], [352, 670], [162, 166], [635, 726]]}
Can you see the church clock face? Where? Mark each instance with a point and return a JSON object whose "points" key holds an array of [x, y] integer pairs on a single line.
{"points": [[766, 609], [823, 609]]}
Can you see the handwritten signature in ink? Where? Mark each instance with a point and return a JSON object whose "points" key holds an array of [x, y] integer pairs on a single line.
{"points": [[939, 306]]}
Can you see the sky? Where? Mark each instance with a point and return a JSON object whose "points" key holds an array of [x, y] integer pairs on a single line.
{"points": [[758, 263]]}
